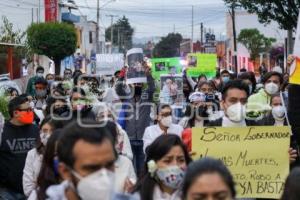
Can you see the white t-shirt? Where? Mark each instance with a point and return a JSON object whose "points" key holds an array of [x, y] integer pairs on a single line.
{"points": [[153, 132]]}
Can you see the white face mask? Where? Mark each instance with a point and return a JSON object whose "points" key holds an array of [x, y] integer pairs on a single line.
{"points": [[39, 74], [171, 176], [96, 186], [32, 104], [278, 112], [271, 88], [166, 121], [236, 112], [44, 138]]}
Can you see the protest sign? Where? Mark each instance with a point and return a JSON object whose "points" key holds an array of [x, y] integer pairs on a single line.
{"points": [[161, 66], [256, 156], [295, 67], [198, 64], [107, 64], [171, 90], [136, 70]]}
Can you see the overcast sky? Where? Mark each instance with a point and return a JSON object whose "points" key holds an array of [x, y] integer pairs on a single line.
{"points": [[149, 18]]}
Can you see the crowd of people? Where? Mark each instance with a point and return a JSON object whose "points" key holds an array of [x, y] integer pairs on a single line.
{"points": [[70, 138]]}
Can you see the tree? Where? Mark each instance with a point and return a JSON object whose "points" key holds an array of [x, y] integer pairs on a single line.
{"points": [[122, 34], [168, 46], [8, 34], [55, 40], [285, 13], [255, 42]]}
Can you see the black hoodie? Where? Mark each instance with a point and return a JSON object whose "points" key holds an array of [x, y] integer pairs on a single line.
{"points": [[15, 142]]}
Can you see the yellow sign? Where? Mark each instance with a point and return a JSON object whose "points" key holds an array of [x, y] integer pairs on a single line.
{"points": [[295, 72], [256, 156]]}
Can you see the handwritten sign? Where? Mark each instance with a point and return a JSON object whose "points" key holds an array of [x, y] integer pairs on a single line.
{"points": [[256, 156]]}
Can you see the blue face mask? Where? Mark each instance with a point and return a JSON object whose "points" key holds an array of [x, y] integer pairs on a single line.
{"points": [[225, 79]]}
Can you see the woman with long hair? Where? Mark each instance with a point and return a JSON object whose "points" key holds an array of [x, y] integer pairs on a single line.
{"points": [[166, 162]]}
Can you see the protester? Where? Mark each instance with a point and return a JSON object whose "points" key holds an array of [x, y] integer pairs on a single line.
{"points": [[125, 176], [86, 164], [135, 122], [166, 161], [11, 93], [196, 114], [277, 117], [123, 147], [225, 77], [208, 179], [34, 157], [291, 189], [58, 107], [249, 79], [40, 94], [234, 99], [164, 126], [19, 136], [260, 102], [67, 74], [49, 169], [31, 82], [81, 106]]}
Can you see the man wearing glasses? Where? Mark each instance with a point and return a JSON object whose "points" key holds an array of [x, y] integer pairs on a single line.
{"points": [[18, 137]]}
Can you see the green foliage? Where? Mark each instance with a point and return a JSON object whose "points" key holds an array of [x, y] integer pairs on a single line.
{"points": [[122, 34], [255, 42], [168, 46], [284, 12], [55, 40]]}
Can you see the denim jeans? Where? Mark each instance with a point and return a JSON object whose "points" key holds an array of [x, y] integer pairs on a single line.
{"points": [[138, 156], [6, 194]]}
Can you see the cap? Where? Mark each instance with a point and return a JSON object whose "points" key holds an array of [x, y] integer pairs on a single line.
{"points": [[197, 96]]}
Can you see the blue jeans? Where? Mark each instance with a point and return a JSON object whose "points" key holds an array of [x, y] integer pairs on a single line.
{"points": [[138, 156], [6, 194]]}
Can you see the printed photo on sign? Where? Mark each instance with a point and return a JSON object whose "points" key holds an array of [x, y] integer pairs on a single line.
{"points": [[192, 61], [136, 69], [171, 90], [161, 66]]}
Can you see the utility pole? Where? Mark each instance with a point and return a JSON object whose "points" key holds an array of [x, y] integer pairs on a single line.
{"points": [[112, 30], [174, 28], [192, 39], [234, 38], [32, 15], [39, 11], [201, 35], [97, 28]]}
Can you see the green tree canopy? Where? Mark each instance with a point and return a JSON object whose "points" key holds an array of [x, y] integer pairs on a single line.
{"points": [[168, 46], [255, 42], [284, 12], [122, 34], [55, 40]]}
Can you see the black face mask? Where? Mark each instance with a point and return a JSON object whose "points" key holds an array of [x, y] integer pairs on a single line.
{"points": [[137, 91], [201, 111], [61, 110], [186, 93]]}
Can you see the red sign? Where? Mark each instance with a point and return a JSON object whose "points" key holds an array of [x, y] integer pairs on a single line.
{"points": [[51, 10]]}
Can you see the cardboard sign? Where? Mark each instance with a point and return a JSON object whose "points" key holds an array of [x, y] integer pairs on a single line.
{"points": [[256, 156], [163, 66], [201, 64], [108, 64]]}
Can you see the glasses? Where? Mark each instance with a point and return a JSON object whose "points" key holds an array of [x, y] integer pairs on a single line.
{"points": [[25, 109]]}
